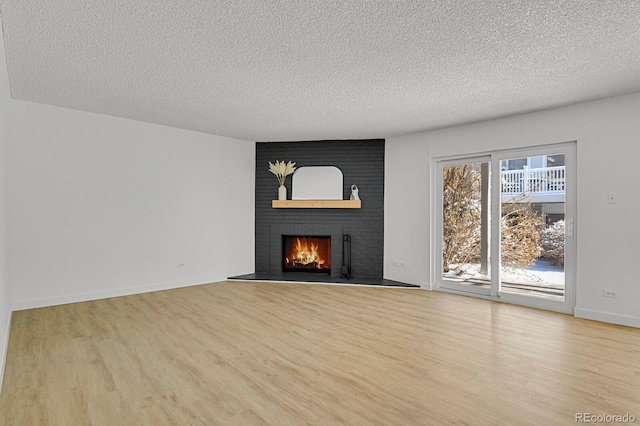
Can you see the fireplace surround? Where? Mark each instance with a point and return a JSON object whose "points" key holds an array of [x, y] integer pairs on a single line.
{"points": [[280, 231]]}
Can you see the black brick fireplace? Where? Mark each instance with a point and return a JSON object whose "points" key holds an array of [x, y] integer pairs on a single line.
{"points": [[362, 164]]}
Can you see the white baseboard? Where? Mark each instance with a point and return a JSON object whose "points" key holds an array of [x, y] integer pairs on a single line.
{"points": [[85, 297], [4, 345], [607, 317]]}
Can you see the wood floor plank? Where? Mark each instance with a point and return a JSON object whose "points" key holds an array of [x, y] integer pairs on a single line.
{"points": [[254, 353]]}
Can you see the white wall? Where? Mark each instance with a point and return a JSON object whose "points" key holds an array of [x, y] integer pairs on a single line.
{"points": [[5, 295], [102, 206], [607, 134]]}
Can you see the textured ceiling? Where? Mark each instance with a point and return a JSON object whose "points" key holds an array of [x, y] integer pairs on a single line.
{"points": [[330, 69]]}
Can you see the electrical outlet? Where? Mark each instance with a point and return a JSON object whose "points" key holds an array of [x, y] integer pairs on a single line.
{"points": [[402, 264], [610, 293], [395, 263], [181, 264]]}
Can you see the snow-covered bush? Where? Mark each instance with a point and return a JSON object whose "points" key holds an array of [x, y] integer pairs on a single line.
{"points": [[552, 240]]}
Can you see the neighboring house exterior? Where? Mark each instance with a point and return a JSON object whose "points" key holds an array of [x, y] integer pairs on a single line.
{"points": [[539, 180]]}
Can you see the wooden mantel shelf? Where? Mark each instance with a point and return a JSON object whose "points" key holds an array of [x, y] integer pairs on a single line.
{"points": [[316, 204]]}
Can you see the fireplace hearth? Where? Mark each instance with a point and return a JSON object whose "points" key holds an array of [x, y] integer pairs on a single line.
{"points": [[306, 253]]}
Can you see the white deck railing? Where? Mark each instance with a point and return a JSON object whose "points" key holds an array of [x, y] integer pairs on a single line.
{"points": [[545, 180]]}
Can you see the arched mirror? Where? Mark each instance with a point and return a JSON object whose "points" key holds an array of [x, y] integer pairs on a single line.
{"points": [[317, 183]]}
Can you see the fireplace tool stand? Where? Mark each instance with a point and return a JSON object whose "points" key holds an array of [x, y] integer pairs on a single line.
{"points": [[346, 256]]}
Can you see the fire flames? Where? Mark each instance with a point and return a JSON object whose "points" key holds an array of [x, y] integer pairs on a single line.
{"points": [[306, 253]]}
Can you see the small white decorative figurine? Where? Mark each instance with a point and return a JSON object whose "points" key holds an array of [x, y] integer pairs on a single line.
{"points": [[354, 193]]}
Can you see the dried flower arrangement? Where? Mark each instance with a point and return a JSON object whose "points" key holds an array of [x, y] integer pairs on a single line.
{"points": [[282, 170]]}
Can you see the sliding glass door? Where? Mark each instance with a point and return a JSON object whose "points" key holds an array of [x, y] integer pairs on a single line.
{"points": [[464, 217], [505, 224]]}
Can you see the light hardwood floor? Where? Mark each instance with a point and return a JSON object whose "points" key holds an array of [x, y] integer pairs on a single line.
{"points": [[243, 353]]}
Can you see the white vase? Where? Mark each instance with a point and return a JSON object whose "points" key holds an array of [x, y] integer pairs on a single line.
{"points": [[282, 193]]}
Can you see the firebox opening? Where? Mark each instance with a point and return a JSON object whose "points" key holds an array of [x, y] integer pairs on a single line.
{"points": [[306, 253]]}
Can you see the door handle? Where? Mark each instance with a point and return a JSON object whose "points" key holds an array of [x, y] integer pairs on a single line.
{"points": [[569, 228]]}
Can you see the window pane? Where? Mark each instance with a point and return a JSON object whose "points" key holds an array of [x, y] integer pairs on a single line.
{"points": [[465, 257], [514, 164], [555, 160]]}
